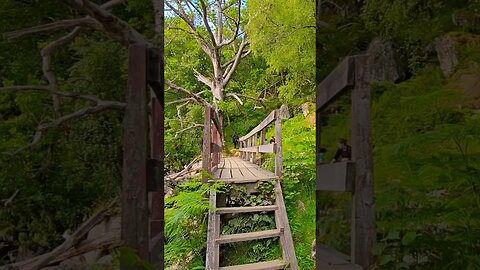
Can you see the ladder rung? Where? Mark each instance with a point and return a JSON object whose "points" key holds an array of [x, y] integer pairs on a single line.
{"points": [[270, 265], [231, 238], [242, 181], [247, 209]]}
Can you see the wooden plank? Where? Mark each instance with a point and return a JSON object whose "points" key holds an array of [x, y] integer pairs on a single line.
{"points": [[265, 122], [278, 142], [286, 239], [339, 80], [207, 140], [334, 260], [243, 180], [270, 265], [135, 217], [215, 148], [212, 257], [339, 176], [363, 219], [236, 174], [253, 149], [248, 209], [216, 119], [267, 148], [240, 237]]}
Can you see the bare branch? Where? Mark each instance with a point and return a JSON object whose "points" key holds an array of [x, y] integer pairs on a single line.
{"points": [[101, 106], [229, 74], [59, 25], [237, 97], [46, 54], [109, 24], [181, 100], [203, 79], [197, 98], [179, 112], [229, 64], [6, 202], [237, 28], [48, 89], [111, 4], [205, 22], [187, 129]]}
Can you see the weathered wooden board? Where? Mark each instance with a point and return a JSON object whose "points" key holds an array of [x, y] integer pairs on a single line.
{"points": [[340, 79], [278, 143], [329, 258], [246, 209], [339, 176], [252, 149], [269, 119], [286, 239], [135, 217], [270, 265], [212, 259], [267, 148], [363, 222], [207, 140], [239, 237]]}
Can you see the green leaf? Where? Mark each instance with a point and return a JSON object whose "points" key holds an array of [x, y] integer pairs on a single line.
{"points": [[408, 238]]}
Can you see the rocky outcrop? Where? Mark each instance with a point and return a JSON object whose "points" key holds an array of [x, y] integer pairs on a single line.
{"points": [[447, 53], [285, 112], [384, 61]]}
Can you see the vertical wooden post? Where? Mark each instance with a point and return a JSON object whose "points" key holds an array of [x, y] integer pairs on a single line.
{"points": [[278, 142], [156, 181], [254, 154], [134, 230], [363, 221], [207, 141]]}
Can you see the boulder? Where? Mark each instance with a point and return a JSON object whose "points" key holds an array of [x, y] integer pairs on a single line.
{"points": [[105, 261], [447, 53], [305, 109], [384, 61], [285, 112]]}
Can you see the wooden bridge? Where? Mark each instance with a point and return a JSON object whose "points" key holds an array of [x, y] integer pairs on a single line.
{"points": [[244, 171]]}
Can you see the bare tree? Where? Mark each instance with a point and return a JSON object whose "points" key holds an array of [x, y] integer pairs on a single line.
{"points": [[213, 28]]}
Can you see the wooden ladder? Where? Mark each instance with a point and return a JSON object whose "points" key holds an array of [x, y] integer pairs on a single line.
{"points": [[282, 230]]}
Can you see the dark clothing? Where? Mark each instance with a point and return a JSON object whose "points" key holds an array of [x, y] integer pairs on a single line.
{"points": [[343, 153], [235, 140], [272, 140]]}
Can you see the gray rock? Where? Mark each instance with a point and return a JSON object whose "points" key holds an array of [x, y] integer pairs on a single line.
{"points": [[285, 112], [384, 60], [305, 108], [447, 54], [105, 261]]}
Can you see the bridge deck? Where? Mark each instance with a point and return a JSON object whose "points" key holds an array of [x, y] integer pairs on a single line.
{"points": [[237, 170]]}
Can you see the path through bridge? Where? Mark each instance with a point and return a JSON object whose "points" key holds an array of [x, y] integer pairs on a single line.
{"points": [[244, 171]]}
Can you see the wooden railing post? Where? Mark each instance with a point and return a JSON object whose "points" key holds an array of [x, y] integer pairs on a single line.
{"points": [[207, 142], [278, 142], [135, 218], [363, 221]]}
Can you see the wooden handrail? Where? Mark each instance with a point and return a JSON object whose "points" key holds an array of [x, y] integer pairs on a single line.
{"points": [[265, 122], [248, 143]]}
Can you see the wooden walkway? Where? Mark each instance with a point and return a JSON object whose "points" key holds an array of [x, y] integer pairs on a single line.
{"points": [[241, 172]]}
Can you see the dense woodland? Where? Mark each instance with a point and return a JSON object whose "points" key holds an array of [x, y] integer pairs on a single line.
{"points": [[426, 128]]}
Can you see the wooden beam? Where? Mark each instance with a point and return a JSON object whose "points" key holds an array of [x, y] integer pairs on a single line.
{"points": [[363, 223], [246, 209], [278, 143], [207, 140], [331, 259], [239, 237], [339, 80], [267, 148], [265, 122], [212, 260], [281, 220], [135, 217], [270, 265], [339, 176], [249, 149]]}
